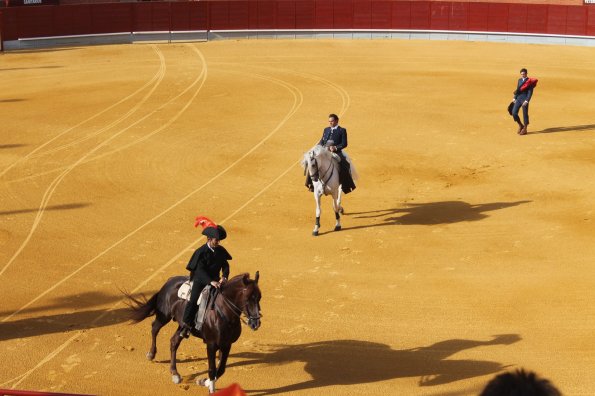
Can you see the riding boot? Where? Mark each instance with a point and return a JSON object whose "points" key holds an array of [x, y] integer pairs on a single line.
{"points": [[347, 184]]}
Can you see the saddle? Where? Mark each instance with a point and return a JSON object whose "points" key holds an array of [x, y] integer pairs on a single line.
{"points": [[205, 300]]}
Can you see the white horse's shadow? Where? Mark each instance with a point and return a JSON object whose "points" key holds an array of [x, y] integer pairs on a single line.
{"points": [[323, 167]]}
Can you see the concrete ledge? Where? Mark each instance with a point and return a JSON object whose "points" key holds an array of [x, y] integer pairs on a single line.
{"points": [[363, 34], [357, 34], [107, 38]]}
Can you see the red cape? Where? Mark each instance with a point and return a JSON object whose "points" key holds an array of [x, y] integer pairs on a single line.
{"points": [[529, 83]]}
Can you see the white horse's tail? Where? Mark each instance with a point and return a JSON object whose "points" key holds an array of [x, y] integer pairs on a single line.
{"points": [[354, 174]]}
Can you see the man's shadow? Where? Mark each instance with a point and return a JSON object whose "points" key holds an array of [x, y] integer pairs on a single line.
{"points": [[350, 362], [565, 129], [433, 213]]}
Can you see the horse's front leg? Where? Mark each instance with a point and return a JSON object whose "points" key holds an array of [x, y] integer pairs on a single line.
{"points": [[317, 194], [341, 211], [223, 359], [337, 208], [211, 355], [175, 341]]}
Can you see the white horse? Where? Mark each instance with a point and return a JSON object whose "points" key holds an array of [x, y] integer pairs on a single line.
{"points": [[323, 167]]}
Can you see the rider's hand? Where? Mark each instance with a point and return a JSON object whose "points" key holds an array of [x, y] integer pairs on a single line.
{"points": [[333, 148], [215, 284], [222, 281], [525, 103]]}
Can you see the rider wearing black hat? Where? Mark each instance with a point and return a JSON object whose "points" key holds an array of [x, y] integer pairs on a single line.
{"points": [[206, 264]]}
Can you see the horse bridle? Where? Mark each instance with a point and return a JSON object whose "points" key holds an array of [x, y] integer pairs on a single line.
{"points": [[317, 175], [237, 311]]}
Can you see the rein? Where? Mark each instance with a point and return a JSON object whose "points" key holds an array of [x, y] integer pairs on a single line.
{"points": [[237, 311], [331, 167]]}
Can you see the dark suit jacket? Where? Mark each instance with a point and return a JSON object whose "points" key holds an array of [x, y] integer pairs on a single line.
{"points": [[205, 265], [338, 136], [525, 94]]}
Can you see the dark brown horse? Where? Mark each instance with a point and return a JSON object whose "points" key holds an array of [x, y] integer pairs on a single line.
{"points": [[222, 325]]}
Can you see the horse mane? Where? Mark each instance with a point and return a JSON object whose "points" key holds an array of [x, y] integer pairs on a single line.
{"points": [[320, 150], [237, 280], [317, 150]]}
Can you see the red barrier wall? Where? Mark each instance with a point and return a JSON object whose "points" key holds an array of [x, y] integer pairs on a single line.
{"points": [[27, 22]]}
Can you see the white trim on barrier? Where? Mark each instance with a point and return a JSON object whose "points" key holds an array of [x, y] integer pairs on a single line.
{"points": [[407, 34], [75, 36], [269, 31], [107, 38], [206, 35]]}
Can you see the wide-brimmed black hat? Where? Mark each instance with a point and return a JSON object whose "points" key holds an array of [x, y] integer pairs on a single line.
{"points": [[215, 232]]}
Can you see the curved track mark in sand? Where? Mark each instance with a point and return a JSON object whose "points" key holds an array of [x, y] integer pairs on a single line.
{"points": [[52, 188], [298, 100], [158, 76], [55, 352], [297, 103]]}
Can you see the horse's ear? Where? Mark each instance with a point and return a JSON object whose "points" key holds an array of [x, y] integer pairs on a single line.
{"points": [[256, 277], [245, 279]]}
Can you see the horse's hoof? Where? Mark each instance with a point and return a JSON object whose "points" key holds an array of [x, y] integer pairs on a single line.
{"points": [[337, 228], [176, 379], [210, 385], [315, 233], [150, 356]]}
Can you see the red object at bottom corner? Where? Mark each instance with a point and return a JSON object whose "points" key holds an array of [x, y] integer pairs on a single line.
{"points": [[232, 390]]}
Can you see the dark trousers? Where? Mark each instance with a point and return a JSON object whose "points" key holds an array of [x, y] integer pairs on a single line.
{"points": [[347, 184], [517, 106], [191, 307]]}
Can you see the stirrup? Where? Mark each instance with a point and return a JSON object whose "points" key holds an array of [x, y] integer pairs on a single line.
{"points": [[185, 332]]}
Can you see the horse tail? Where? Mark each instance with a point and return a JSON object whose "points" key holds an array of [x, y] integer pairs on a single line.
{"points": [[141, 308]]}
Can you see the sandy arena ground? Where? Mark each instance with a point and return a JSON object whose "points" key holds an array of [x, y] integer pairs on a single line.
{"points": [[467, 250]]}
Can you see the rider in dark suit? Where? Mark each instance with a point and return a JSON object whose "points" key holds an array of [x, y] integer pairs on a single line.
{"points": [[334, 138], [205, 265]]}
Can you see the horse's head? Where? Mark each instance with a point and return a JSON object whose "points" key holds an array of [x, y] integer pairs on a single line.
{"points": [[252, 305], [246, 296], [311, 164]]}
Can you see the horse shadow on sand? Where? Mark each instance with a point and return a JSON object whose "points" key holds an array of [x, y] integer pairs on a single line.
{"points": [[572, 128], [80, 315], [432, 213], [350, 362]]}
